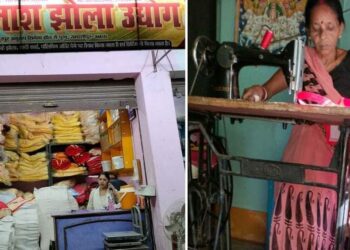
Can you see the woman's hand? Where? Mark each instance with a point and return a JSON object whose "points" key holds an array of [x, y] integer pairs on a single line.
{"points": [[112, 188], [255, 93]]}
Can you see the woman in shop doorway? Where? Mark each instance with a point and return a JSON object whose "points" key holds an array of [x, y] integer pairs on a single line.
{"points": [[304, 216], [103, 197]]}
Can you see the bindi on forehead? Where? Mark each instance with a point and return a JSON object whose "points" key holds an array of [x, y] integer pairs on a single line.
{"points": [[324, 23]]}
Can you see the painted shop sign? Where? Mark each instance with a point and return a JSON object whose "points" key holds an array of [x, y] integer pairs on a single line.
{"points": [[84, 25]]}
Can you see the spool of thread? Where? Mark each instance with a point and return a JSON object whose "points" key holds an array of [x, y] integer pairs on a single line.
{"points": [[266, 41], [256, 98]]}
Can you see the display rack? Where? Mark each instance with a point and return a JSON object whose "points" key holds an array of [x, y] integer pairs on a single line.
{"points": [[116, 140], [209, 108]]}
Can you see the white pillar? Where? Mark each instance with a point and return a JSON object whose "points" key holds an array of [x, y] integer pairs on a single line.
{"points": [[161, 145]]}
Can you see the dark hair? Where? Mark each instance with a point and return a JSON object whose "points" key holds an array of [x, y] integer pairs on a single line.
{"points": [[105, 174], [333, 4]]}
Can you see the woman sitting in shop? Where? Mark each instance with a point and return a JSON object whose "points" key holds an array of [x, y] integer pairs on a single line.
{"points": [[104, 196], [305, 217]]}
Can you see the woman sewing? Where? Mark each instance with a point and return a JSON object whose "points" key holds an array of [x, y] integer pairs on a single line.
{"points": [[104, 196], [304, 216]]}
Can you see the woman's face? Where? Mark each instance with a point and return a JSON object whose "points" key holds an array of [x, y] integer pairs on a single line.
{"points": [[324, 29], [102, 181]]}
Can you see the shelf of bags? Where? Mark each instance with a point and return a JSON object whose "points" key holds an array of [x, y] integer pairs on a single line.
{"points": [[78, 169], [33, 152], [68, 173], [60, 147]]}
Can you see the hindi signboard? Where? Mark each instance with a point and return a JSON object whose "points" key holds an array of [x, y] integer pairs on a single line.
{"points": [[90, 25]]}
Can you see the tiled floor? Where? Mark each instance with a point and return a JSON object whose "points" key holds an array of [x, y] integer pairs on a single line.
{"points": [[240, 245]]}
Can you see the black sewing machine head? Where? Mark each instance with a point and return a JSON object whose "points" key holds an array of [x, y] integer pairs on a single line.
{"points": [[225, 60]]}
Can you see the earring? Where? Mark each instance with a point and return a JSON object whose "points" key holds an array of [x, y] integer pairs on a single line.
{"points": [[310, 42]]}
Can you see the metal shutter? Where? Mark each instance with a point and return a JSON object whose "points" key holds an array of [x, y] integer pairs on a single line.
{"points": [[59, 96], [179, 86]]}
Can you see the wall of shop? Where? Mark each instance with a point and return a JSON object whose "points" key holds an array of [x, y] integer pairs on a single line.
{"points": [[256, 139], [161, 144], [162, 150], [84, 65]]}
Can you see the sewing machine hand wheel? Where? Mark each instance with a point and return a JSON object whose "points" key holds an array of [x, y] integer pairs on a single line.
{"points": [[204, 55]]}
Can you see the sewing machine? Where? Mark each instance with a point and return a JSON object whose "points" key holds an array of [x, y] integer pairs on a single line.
{"points": [[214, 185], [225, 60]]}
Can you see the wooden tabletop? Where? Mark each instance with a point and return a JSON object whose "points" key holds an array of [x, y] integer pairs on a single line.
{"points": [[272, 110]]}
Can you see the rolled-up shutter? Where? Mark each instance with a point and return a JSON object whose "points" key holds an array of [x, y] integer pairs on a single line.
{"points": [[58, 96]]}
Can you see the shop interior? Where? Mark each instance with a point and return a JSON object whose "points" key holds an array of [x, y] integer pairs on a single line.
{"points": [[62, 135]]}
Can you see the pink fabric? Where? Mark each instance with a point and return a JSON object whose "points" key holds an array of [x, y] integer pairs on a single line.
{"points": [[305, 216], [323, 77], [305, 98]]}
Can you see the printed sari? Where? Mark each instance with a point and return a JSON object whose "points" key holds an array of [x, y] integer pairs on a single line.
{"points": [[304, 216]]}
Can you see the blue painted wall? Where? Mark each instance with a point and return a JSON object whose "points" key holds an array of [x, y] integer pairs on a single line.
{"points": [[253, 138]]}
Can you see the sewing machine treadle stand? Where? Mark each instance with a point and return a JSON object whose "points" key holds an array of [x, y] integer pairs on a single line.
{"points": [[263, 169]]}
